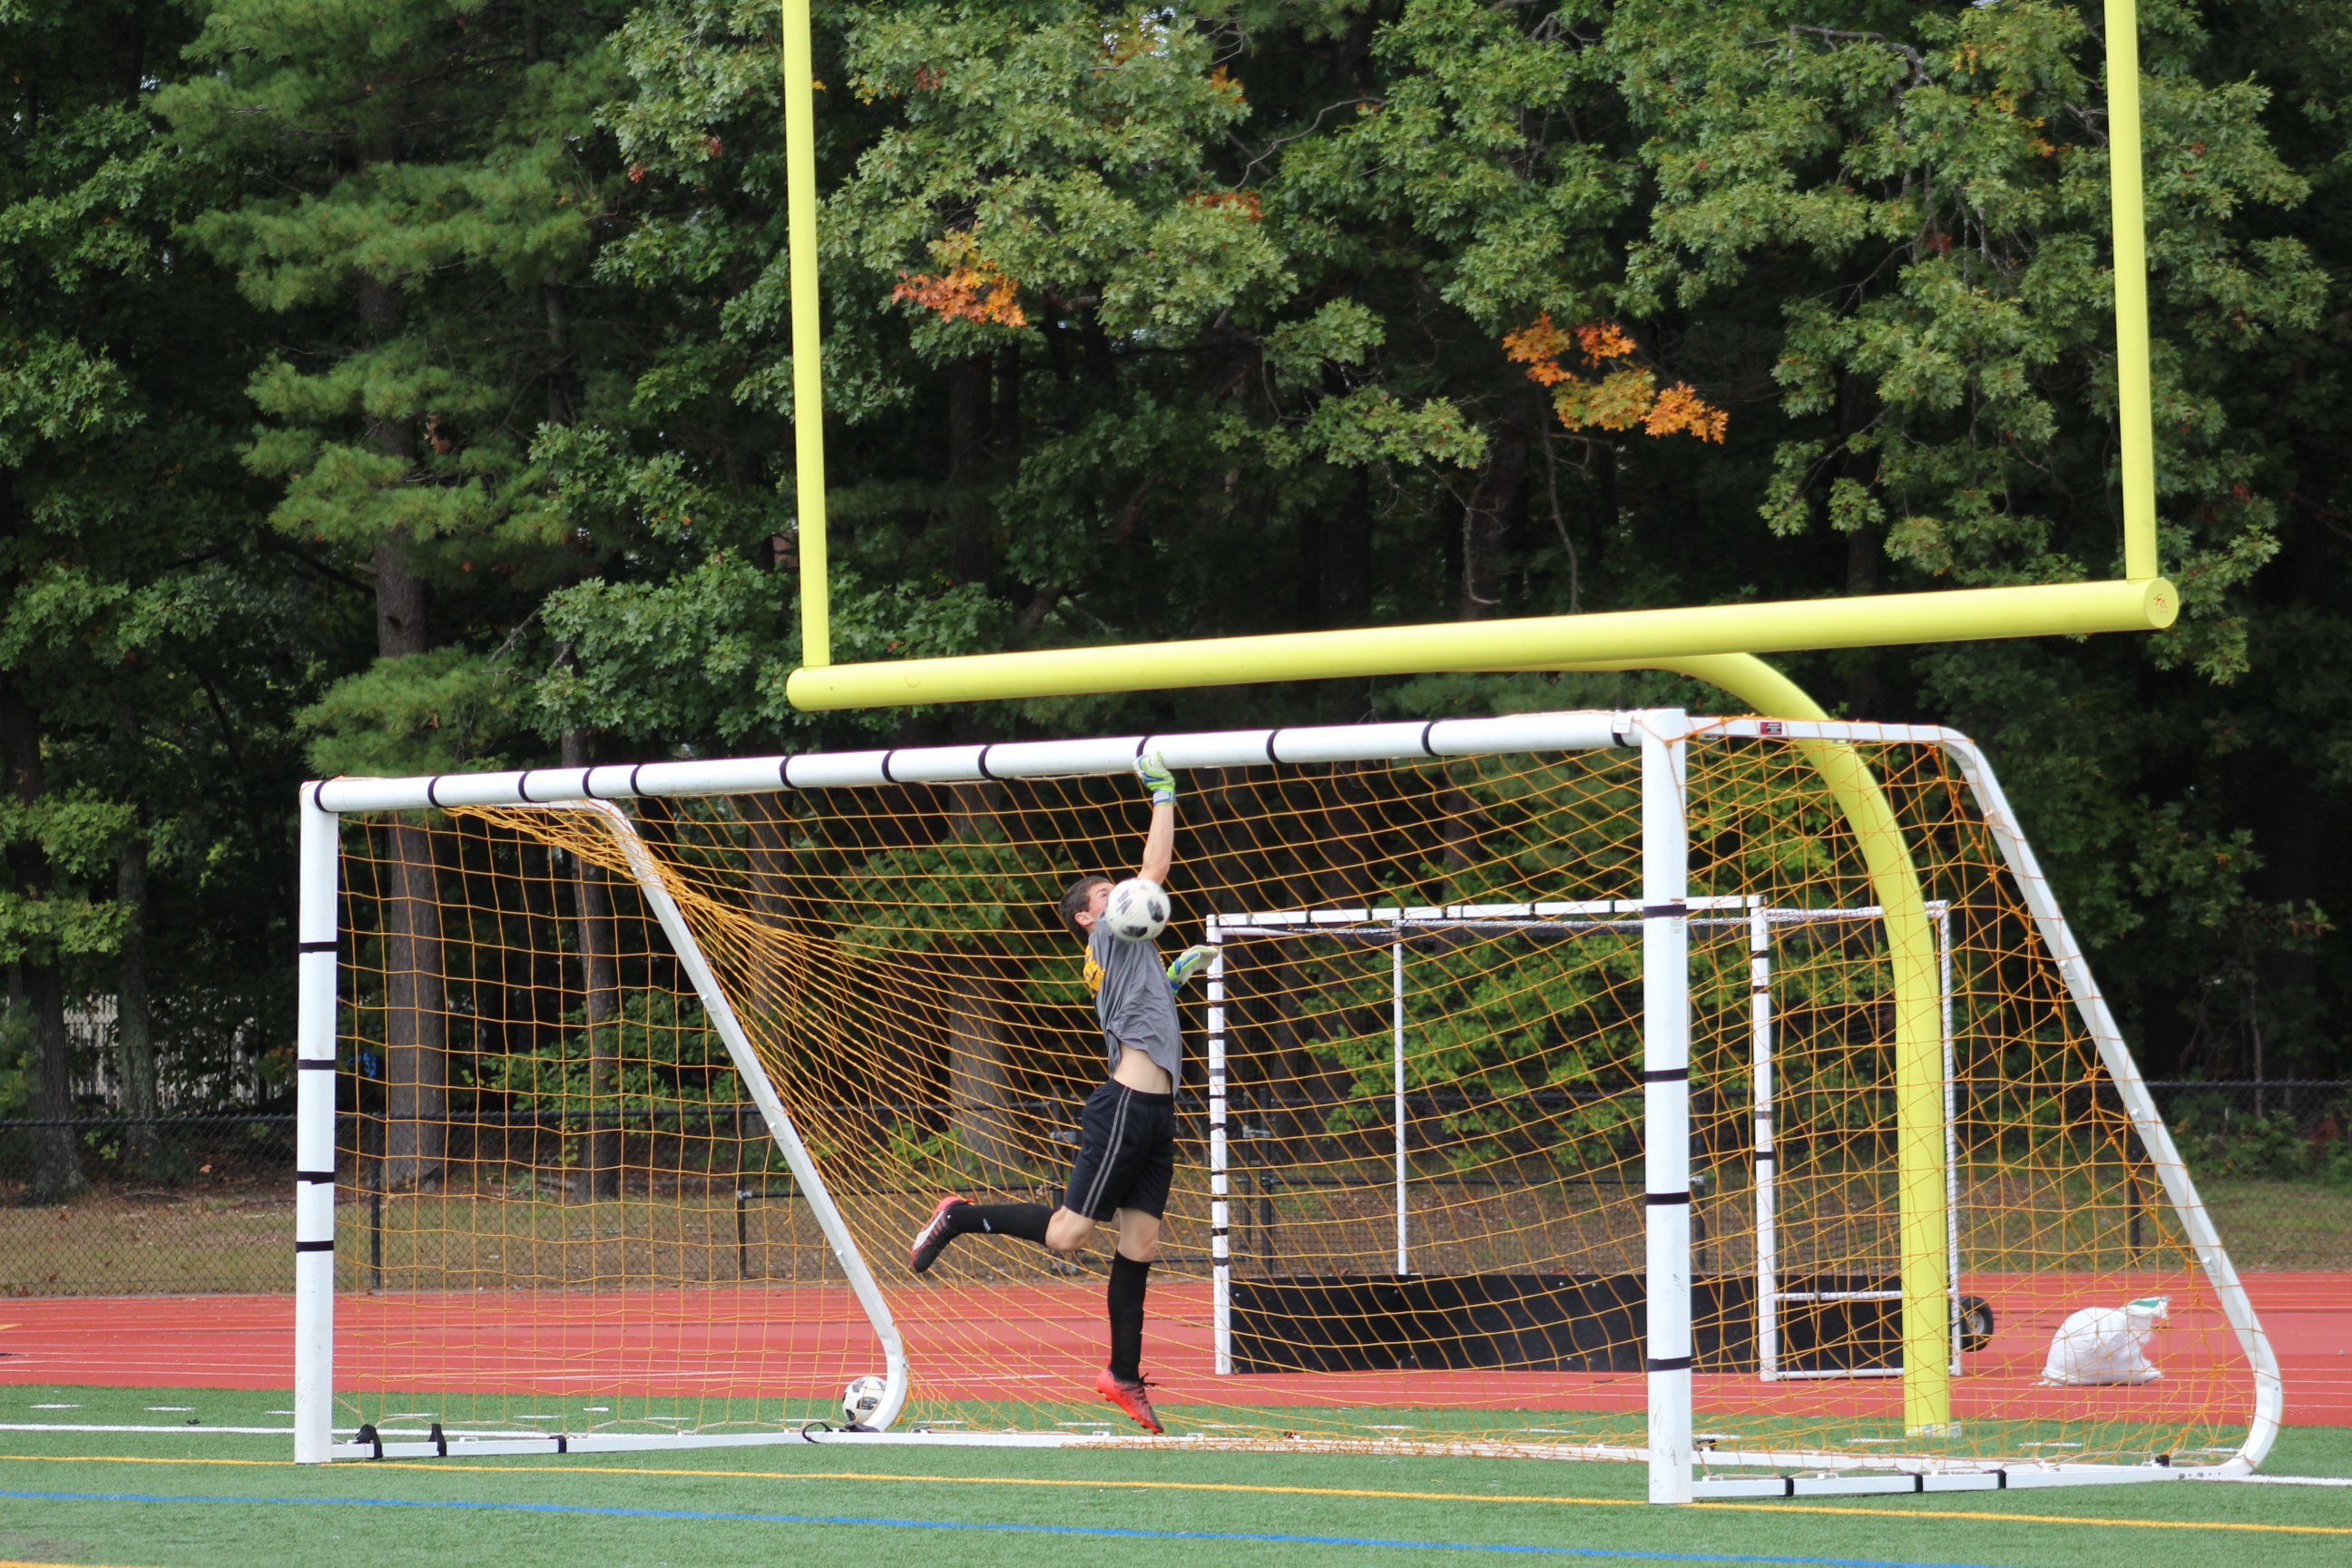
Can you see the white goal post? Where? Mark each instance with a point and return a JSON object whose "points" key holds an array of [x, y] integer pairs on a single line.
{"points": [[1396, 926], [1661, 908]]}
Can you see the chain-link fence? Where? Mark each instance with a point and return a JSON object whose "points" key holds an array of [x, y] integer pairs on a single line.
{"points": [[2314, 1114], [204, 1204], [2273, 1163], [170, 1205]]}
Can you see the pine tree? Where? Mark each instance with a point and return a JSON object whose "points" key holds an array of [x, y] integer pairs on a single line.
{"points": [[119, 511], [434, 190]]}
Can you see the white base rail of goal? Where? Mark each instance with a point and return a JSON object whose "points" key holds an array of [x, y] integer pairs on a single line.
{"points": [[1799, 1473]]}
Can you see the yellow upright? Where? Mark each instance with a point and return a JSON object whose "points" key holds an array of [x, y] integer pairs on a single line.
{"points": [[808, 336], [2134, 400], [1922, 1196]]}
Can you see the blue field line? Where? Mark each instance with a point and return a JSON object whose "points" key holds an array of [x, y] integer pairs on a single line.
{"points": [[1088, 1530]]}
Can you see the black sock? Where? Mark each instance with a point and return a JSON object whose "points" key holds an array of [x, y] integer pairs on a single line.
{"points": [[1026, 1221], [1127, 1280]]}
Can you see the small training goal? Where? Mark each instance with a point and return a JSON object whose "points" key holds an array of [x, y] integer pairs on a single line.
{"points": [[1726, 1095]]}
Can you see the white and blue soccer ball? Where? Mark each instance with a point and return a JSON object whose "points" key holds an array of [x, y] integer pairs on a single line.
{"points": [[1137, 911], [862, 1398]]}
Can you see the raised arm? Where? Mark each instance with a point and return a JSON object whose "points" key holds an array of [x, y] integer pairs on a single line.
{"points": [[1159, 843]]}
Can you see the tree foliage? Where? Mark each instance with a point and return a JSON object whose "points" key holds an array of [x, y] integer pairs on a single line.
{"points": [[407, 384]]}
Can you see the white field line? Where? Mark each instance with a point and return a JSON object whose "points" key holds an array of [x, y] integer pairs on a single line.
{"points": [[2284, 1481]]}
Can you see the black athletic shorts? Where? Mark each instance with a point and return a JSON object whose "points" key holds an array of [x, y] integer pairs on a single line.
{"points": [[1127, 1154]]}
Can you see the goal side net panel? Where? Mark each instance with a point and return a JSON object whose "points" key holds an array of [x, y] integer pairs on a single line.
{"points": [[1417, 1203]]}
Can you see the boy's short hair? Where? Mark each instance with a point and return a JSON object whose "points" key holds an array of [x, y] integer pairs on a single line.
{"points": [[1076, 897]]}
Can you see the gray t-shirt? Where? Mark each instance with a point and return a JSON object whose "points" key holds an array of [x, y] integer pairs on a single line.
{"points": [[1134, 1001]]}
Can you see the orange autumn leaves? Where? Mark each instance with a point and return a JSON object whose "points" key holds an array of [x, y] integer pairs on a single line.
{"points": [[1627, 396], [972, 289]]}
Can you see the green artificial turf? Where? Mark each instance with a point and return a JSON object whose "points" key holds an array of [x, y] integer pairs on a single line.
{"points": [[257, 1511]]}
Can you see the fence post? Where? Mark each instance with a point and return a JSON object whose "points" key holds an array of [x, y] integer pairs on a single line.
{"points": [[742, 1235]]}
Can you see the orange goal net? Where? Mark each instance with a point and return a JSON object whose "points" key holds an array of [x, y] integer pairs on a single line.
{"points": [[1575, 1085]]}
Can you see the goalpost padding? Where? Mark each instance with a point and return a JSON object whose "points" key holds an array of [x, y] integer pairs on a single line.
{"points": [[821, 1010]]}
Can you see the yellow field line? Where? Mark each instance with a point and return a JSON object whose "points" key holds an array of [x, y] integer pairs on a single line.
{"points": [[1243, 1486]]}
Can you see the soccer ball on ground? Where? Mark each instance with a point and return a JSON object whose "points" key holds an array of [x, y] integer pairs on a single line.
{"points": [[862, 1398], [1137, 911]]}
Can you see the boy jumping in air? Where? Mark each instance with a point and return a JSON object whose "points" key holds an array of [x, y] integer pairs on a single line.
{"points": [[1126, 1147]]}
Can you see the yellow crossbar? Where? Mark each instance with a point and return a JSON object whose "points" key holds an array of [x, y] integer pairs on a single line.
{"points": [[1541, 641]]}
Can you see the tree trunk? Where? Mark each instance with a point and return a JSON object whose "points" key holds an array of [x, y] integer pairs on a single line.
{"points": [[970, 552], [1458, 827], [774, 986], [417, 1030], [601, 976], [1484, 520], [1100, 363], [56, 1158], [1006, 435], [980, 1083], [1559, 523], [416, 1050], [1307, 602], [1346, 840], [57, 1161], [1347, 565], [402, 602], [560, 407], [401, 598], [1865, 667], [134, 1028], [1604, 495], [1864, 681], [1345, 591], [975, 992]]}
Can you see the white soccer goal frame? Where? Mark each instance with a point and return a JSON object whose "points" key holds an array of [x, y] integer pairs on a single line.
{"points": [[1401, 923], [1659, 734], [1761, 920]]}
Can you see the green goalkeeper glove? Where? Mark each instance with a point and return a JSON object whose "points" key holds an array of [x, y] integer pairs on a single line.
{"points": [[1157, 778], [1188, 962]]}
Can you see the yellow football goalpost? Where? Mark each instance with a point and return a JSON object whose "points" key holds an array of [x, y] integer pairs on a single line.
{"points": [[1713, 643]]}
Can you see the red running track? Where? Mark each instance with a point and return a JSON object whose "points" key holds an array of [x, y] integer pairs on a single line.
{"points": [[1043, 1341]]}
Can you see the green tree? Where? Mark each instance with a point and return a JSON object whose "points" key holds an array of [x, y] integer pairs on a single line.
{"points": [[1129, 325], [1258, 317], [427, 191], [125, 529]]}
